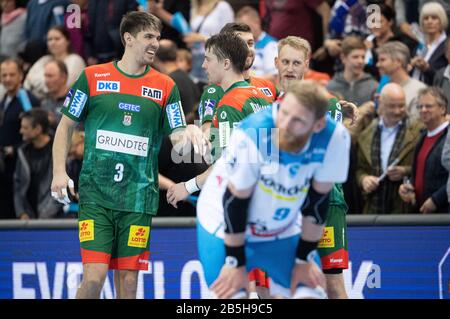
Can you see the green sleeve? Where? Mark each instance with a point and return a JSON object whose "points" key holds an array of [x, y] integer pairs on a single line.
{"points": [[77, 99], [208, 102], [335, 110], [173, 112]]}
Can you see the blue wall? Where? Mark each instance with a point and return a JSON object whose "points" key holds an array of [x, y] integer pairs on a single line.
{"points": [[386, 262]]}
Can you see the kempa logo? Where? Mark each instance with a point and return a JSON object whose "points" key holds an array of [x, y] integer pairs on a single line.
{"points": [[122, 143], [100, 75], [152, 93], [108, 86]]}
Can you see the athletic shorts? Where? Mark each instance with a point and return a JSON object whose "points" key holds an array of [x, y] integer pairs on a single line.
{"points": [[333, 246], [116, 238], [276, 257]]}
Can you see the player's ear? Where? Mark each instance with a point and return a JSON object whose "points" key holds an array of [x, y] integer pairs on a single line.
{"points": [[227, 64], [319, 125], [127, 37]]}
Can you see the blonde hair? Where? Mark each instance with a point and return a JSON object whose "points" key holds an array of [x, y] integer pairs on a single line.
{"points": [[296, 43], [311, 95], [434, 9]]}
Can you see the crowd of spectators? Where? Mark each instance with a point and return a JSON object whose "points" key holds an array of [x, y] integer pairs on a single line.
{"points": [[389, 57]]}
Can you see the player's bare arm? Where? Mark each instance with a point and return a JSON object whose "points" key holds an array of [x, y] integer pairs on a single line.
{"points": [[233, 275], [61, 146]]}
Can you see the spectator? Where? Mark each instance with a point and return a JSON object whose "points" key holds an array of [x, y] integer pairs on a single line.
{"points": [[12, 30], [265, 45], [296, 17], [167, 56], [11, 106], [207, 18], [58, 43], [353, 84], [184, 60], [430, 55], [103, 42], [41, 16], [55, 73], [426, 192], [348, 17], [381, 34], [33, 173], [74, 164], [76, 34], [165, 11], [442, 77], [390, 138], [393, 59]]}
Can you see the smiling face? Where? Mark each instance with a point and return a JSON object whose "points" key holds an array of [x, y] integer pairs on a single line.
{"points": [[144, 45]]}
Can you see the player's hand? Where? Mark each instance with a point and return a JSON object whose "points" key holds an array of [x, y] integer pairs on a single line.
{"points": [[370, 183], [396, 173], [59, 186], [230, 281], [176, 193], [308, 274], [195, 135], [428, 207], [350, 110]]}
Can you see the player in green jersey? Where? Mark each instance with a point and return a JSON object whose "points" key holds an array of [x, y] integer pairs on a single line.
{"points": [[292, 62], [127, 107]]}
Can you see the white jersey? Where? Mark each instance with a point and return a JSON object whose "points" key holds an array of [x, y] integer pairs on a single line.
{"points": [[281, 180]]}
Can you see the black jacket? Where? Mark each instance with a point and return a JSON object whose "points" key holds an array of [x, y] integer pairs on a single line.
{"points": [[436, 176], [38, 203]]}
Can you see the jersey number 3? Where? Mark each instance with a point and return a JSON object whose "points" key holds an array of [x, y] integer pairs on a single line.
{"points": [[119, 175]]}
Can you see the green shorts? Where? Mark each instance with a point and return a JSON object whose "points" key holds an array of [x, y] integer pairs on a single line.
{"points": [[333, 246], [116, 238]]}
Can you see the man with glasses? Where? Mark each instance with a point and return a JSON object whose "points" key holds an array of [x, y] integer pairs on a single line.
{"points": [[426, 192], [381, 166]]}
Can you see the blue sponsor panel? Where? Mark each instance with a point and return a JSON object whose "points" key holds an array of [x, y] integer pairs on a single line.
{"points": [[385, 262]]}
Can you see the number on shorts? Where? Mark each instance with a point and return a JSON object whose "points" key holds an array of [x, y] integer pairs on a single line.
{"points": [[281, 213], [119, 176]]}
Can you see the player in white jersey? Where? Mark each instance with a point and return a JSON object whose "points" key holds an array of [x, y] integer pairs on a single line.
{"points": [[279, 162]]}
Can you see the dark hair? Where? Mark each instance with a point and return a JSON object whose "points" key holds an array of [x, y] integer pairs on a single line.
{"points": [[387, 12], [65, 34], [167, 51], [37, 117], [18, 62], [229, 46], [136, 21], [61, 66], [235, 27]]}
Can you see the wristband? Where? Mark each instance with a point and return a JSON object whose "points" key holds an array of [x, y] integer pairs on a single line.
{"points": [[191, 186], [304, 250], [235, 256]]}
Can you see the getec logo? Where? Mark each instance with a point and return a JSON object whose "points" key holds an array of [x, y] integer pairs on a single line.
{"points": [[108, 86], [138, 236], [152, 93]]}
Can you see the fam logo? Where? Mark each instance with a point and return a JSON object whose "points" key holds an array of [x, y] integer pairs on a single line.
{"points": [[152, 93], [138, 236], [108, 86]]}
